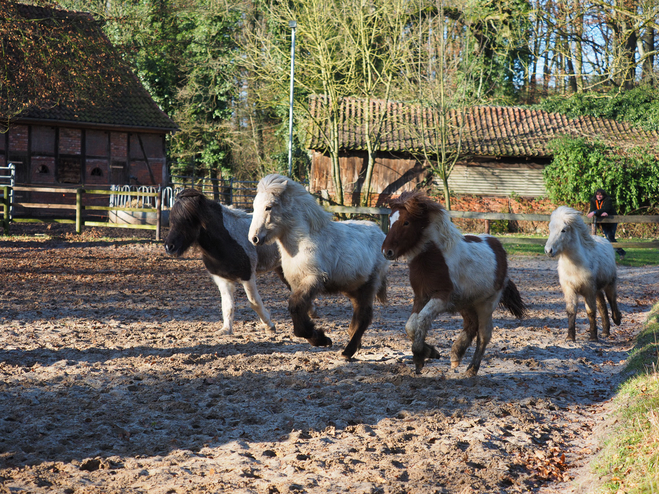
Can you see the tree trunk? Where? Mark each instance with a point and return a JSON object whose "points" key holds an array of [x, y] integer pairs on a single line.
{"points": [[647, 46], [334, 154], [447, 193], [578, 48]]}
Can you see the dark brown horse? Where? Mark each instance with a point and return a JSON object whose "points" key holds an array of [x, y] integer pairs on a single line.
{"points": [[229, 257], [449, 272]]}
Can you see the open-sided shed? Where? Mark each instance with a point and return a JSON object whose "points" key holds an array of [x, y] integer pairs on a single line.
{"points": [[503, 150]]}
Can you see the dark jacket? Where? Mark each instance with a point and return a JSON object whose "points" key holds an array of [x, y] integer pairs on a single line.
{"points": [[606, 206]]}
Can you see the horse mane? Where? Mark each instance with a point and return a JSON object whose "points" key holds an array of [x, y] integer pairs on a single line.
{"points": [[187, 206], [572, 217], [192, 203], [419, 205], [291, 193]]}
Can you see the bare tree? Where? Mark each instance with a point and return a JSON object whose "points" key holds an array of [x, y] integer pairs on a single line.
{"points": [[321, 64], [442, 80], [375, 32]]}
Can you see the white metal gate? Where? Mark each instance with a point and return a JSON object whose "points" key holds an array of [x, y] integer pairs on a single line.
{"points": [[8, 177]]}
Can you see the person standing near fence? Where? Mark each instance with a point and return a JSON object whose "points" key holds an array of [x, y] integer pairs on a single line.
{"points": [[602, 206]]}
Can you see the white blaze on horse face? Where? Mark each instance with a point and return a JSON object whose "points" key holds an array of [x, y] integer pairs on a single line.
{"points": [[393, 218]]}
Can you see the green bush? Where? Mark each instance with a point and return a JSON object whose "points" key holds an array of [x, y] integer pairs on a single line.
{"points": [[580, 167], [639, 106]]}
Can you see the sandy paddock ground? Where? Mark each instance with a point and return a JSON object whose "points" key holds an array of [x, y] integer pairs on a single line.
{"points": [[113, 378]]}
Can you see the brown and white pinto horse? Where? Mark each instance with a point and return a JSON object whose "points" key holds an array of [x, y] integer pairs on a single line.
{"points": [[449, 272]]}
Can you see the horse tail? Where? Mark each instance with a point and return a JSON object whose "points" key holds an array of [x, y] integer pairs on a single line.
{"points": [[512, 300]]}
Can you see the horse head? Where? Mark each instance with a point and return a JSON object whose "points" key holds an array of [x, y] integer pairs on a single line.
{"points": [[564, 230], [268, 208], [410, 215], [186, 220]]}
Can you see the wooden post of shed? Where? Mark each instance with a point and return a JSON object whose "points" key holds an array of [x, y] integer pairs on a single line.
{"points": [[487, 226], [79, 209], [158, 213]]}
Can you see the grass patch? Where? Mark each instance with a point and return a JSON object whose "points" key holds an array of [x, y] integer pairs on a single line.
{"points": [[513, 248], [635, 257], [640, 257], [629, 461]]}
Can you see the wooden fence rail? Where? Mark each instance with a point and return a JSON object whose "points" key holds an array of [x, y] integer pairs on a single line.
{"points": [[79, 208], [381, 213]]}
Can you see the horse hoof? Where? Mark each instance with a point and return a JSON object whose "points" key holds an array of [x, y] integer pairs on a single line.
{"points": [[225, 331], [269, 326], [419, 362], [454, 365], [592, 338], [348, 352], [471, 372], [320, 341]]}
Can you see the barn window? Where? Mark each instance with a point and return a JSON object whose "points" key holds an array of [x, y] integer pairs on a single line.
{"points": [[97, 172], [43, 170]]}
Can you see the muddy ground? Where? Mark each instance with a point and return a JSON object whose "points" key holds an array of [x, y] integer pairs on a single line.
{"points": [[113, 378]]}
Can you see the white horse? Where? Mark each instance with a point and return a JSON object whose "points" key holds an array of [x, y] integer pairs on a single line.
{"points": [[586, 267], [319, 255]]}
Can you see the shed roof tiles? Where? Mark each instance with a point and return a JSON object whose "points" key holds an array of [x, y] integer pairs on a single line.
{"points": [[484, 130]]}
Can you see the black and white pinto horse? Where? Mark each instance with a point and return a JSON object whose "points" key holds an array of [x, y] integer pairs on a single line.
{"points": [[449, 272], [586, 267], [221, 235], [319, 255]]}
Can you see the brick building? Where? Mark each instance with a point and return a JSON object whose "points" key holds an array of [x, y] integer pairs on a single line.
{"points": [[97, 127]]}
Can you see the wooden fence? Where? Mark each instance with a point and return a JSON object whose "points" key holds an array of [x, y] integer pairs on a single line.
{"points": [[79, 207], [381, 214]]}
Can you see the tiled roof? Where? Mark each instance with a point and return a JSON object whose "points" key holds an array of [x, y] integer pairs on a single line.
{"points": [[105, 91], [486, 130]]}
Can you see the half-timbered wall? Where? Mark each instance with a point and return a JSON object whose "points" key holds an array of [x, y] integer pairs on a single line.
{"points": [[49, 155]]}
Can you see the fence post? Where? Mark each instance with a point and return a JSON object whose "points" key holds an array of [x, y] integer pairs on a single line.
{"points": [[593, 226], [5, 209], [230, 191], [79, 209], [384, 223], [158, 213]]}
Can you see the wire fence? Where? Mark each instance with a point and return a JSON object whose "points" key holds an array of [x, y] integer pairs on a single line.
{"points": [[230, 192]]}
